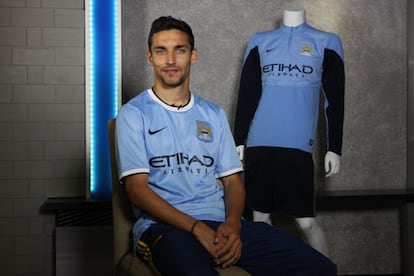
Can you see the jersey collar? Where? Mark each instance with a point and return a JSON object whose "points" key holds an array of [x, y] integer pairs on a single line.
{"points": [[169, 107], [298, 28]]}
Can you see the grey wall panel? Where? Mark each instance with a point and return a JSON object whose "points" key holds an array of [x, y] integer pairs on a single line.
{"points": [[221, 29], [375, 128], [363, 242], [410, 36], [375, 47], [134, 34]]}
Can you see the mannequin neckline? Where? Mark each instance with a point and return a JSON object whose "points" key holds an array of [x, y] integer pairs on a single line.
{"points": [[293, 28]]}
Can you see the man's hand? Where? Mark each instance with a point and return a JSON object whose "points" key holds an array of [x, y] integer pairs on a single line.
{"points": [[209, 239], [229, 232], [224, 245]]}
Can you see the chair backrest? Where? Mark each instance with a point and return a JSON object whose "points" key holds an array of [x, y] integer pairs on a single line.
{"points": [[123, 218]]}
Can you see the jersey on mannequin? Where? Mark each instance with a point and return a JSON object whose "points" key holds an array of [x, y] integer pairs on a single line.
{"points": [[276, 81], [294, 18]]}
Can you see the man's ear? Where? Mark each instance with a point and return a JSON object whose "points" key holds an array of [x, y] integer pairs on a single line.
{"points": [[194, 56], [149, 58]]}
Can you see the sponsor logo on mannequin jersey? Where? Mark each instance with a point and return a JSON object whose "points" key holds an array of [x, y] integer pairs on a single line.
{"points": [[292, 70]]}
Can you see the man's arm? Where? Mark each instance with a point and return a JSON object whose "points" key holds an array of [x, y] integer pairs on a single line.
{"points": [[234, 196], [146, 199]]}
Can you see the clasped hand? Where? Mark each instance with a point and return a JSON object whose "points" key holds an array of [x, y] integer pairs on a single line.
{"points": [[224, 245]]}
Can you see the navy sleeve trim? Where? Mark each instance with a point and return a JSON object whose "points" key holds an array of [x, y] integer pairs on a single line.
{"points": [[250, 91], [333, 82]]}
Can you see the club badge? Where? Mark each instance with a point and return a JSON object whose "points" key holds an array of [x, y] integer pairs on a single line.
{"points": [[306, 49], [204, 132]]}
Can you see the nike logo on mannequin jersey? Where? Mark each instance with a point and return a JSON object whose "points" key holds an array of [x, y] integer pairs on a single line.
{"points": [[152, 132]]}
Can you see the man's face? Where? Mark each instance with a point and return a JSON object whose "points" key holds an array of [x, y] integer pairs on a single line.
{"points": [[171, 57]]}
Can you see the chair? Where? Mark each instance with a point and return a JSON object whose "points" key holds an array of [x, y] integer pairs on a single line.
{"points": [[125, 263]]}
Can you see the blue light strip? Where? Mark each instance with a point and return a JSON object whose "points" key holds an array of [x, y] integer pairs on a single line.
{"points": [[103, 92]]}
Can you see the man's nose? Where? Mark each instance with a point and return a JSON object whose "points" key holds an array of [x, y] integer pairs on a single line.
{"points": [[171, 58]]}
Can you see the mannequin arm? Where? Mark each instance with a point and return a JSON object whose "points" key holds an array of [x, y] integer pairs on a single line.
{"points": [[332, 163], [240, 151]]}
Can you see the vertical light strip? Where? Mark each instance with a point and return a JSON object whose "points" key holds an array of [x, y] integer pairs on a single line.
{"points": [[115, 72], [102, 90], [91, 127]]}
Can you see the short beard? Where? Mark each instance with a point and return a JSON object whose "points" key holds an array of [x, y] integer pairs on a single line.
{"points": [[172, 84]]}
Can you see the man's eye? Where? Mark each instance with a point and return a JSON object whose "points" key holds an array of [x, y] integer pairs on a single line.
{"points": [[181, 50], [159, 52]]}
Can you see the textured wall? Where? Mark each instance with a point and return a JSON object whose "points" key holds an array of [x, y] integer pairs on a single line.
{"points": [[375, 130], [42, 137], [410, 172], [375, 43], [410, 148]]}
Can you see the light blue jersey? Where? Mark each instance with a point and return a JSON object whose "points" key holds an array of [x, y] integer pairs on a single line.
{"points": [[184, 150], [283, 73]]}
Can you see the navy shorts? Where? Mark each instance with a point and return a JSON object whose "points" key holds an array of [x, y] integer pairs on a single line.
{"points": [[266, 251], [280, 181]]}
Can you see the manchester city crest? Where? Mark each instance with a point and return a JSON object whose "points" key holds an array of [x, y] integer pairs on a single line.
{"points": [[306, 49], [204, 132]]}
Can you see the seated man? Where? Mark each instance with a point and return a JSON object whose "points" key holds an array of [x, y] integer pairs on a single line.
{"points": [[172, 146]]}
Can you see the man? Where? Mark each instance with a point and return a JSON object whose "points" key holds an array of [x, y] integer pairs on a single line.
{"points": [[172, 146]]}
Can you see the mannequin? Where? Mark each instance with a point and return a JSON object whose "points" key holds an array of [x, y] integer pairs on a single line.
{"points": [[311, 229]]}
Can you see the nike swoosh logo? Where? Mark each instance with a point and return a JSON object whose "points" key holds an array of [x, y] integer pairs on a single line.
{"points": [[152, 132]]}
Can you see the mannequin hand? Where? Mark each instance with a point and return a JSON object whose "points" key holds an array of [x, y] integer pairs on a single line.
{"points": [[240, 152], [331, 163]]}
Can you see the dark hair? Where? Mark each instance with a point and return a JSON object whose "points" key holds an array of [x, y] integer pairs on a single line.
{"points": [[164, 23]]}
